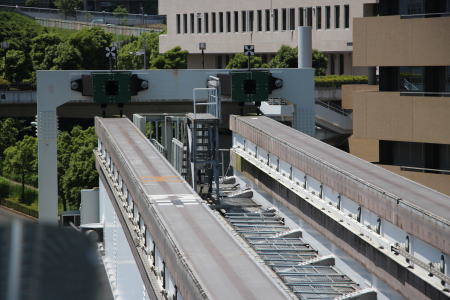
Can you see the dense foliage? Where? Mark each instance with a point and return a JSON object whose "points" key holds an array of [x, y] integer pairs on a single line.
{"points": [[287, 57], [338, 80], [33, 47], [240, 61], [76, 165]]}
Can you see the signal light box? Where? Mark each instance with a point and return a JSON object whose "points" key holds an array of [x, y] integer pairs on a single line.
{"points": [[111, 87], [249, 86]]}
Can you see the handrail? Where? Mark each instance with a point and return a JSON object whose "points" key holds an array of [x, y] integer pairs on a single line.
{"points": [[412, 16], [332, 107], [425, 170], [420, 93]]}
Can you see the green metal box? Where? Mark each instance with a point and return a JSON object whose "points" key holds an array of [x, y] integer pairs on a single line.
{"points": [[249, 86], [111, 87]]}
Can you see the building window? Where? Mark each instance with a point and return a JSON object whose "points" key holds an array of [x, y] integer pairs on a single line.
{"points": [[292, 18], [185, 24], [221, 22], [275, 19], [267, 19], [327, 17], [199, 23], [227, 60], [347, 16], [228, 21], [332, 71], [284, 19], [412, 79], [341, 64], [219, 62], [213, 20], [301, 17], [178, 24], [206, 16], [236, 21], [251, 18], [318, 17], [337, 16], [192, 23], [244, 20], [259, 20], [309, 16]]}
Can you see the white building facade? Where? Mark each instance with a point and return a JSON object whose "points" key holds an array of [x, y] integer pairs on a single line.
{"points": [[226, 26]]}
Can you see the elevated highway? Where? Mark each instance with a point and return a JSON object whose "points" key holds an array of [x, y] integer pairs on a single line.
{"points": [[398, 229], [181, 248]]}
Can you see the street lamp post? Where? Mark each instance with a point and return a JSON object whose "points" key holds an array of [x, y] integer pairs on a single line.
{"points": [[4, 45], [202, 46]]}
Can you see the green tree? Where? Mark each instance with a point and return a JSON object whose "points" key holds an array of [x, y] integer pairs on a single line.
{"points": [[43, 50], [66, 57], [21, 162], [287, 57], [18, 66], [18, 30], [8, 134], [240, 61], [121, 13], [319, 62], [77, 164], [172, 59], [127, 58], [31, 3], [91, 43], [68, 7]]}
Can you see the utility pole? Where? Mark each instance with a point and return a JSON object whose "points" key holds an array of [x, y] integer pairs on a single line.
{"points": [[202, 46]]}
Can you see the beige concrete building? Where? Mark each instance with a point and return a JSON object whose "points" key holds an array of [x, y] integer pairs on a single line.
{"points": [[226, 26], [404, 123]]}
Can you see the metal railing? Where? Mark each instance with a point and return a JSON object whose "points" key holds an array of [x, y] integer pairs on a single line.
{"points": [[87, 16], [425, 170], [425, 15], [429, 94], [332, 107]]}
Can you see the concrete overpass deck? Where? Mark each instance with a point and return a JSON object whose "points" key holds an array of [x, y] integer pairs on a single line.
{"points": [[205, 249]]}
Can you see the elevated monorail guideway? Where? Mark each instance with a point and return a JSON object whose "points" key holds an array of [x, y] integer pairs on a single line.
{"points": [[205, 260]]}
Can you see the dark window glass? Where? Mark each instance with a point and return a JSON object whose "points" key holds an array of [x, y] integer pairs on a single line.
{"points": [[318, 17], [214, 29], [412, 79], [192, 23], [389, 79], [448, 75], [244, 20], [292, 19], [275, 19], [283, 19], [332, 71], [236, 21], [185, 24], [337, 16], [267, 13], [259, 20], [206, 22], [228, 21], [251, 20], [327, 17], [221, 22], [301, 17], [199, 23], [178, 24], [347, 16], [412, 7], [219, 62], [309, 15], [388, 7], [341, 64]]}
